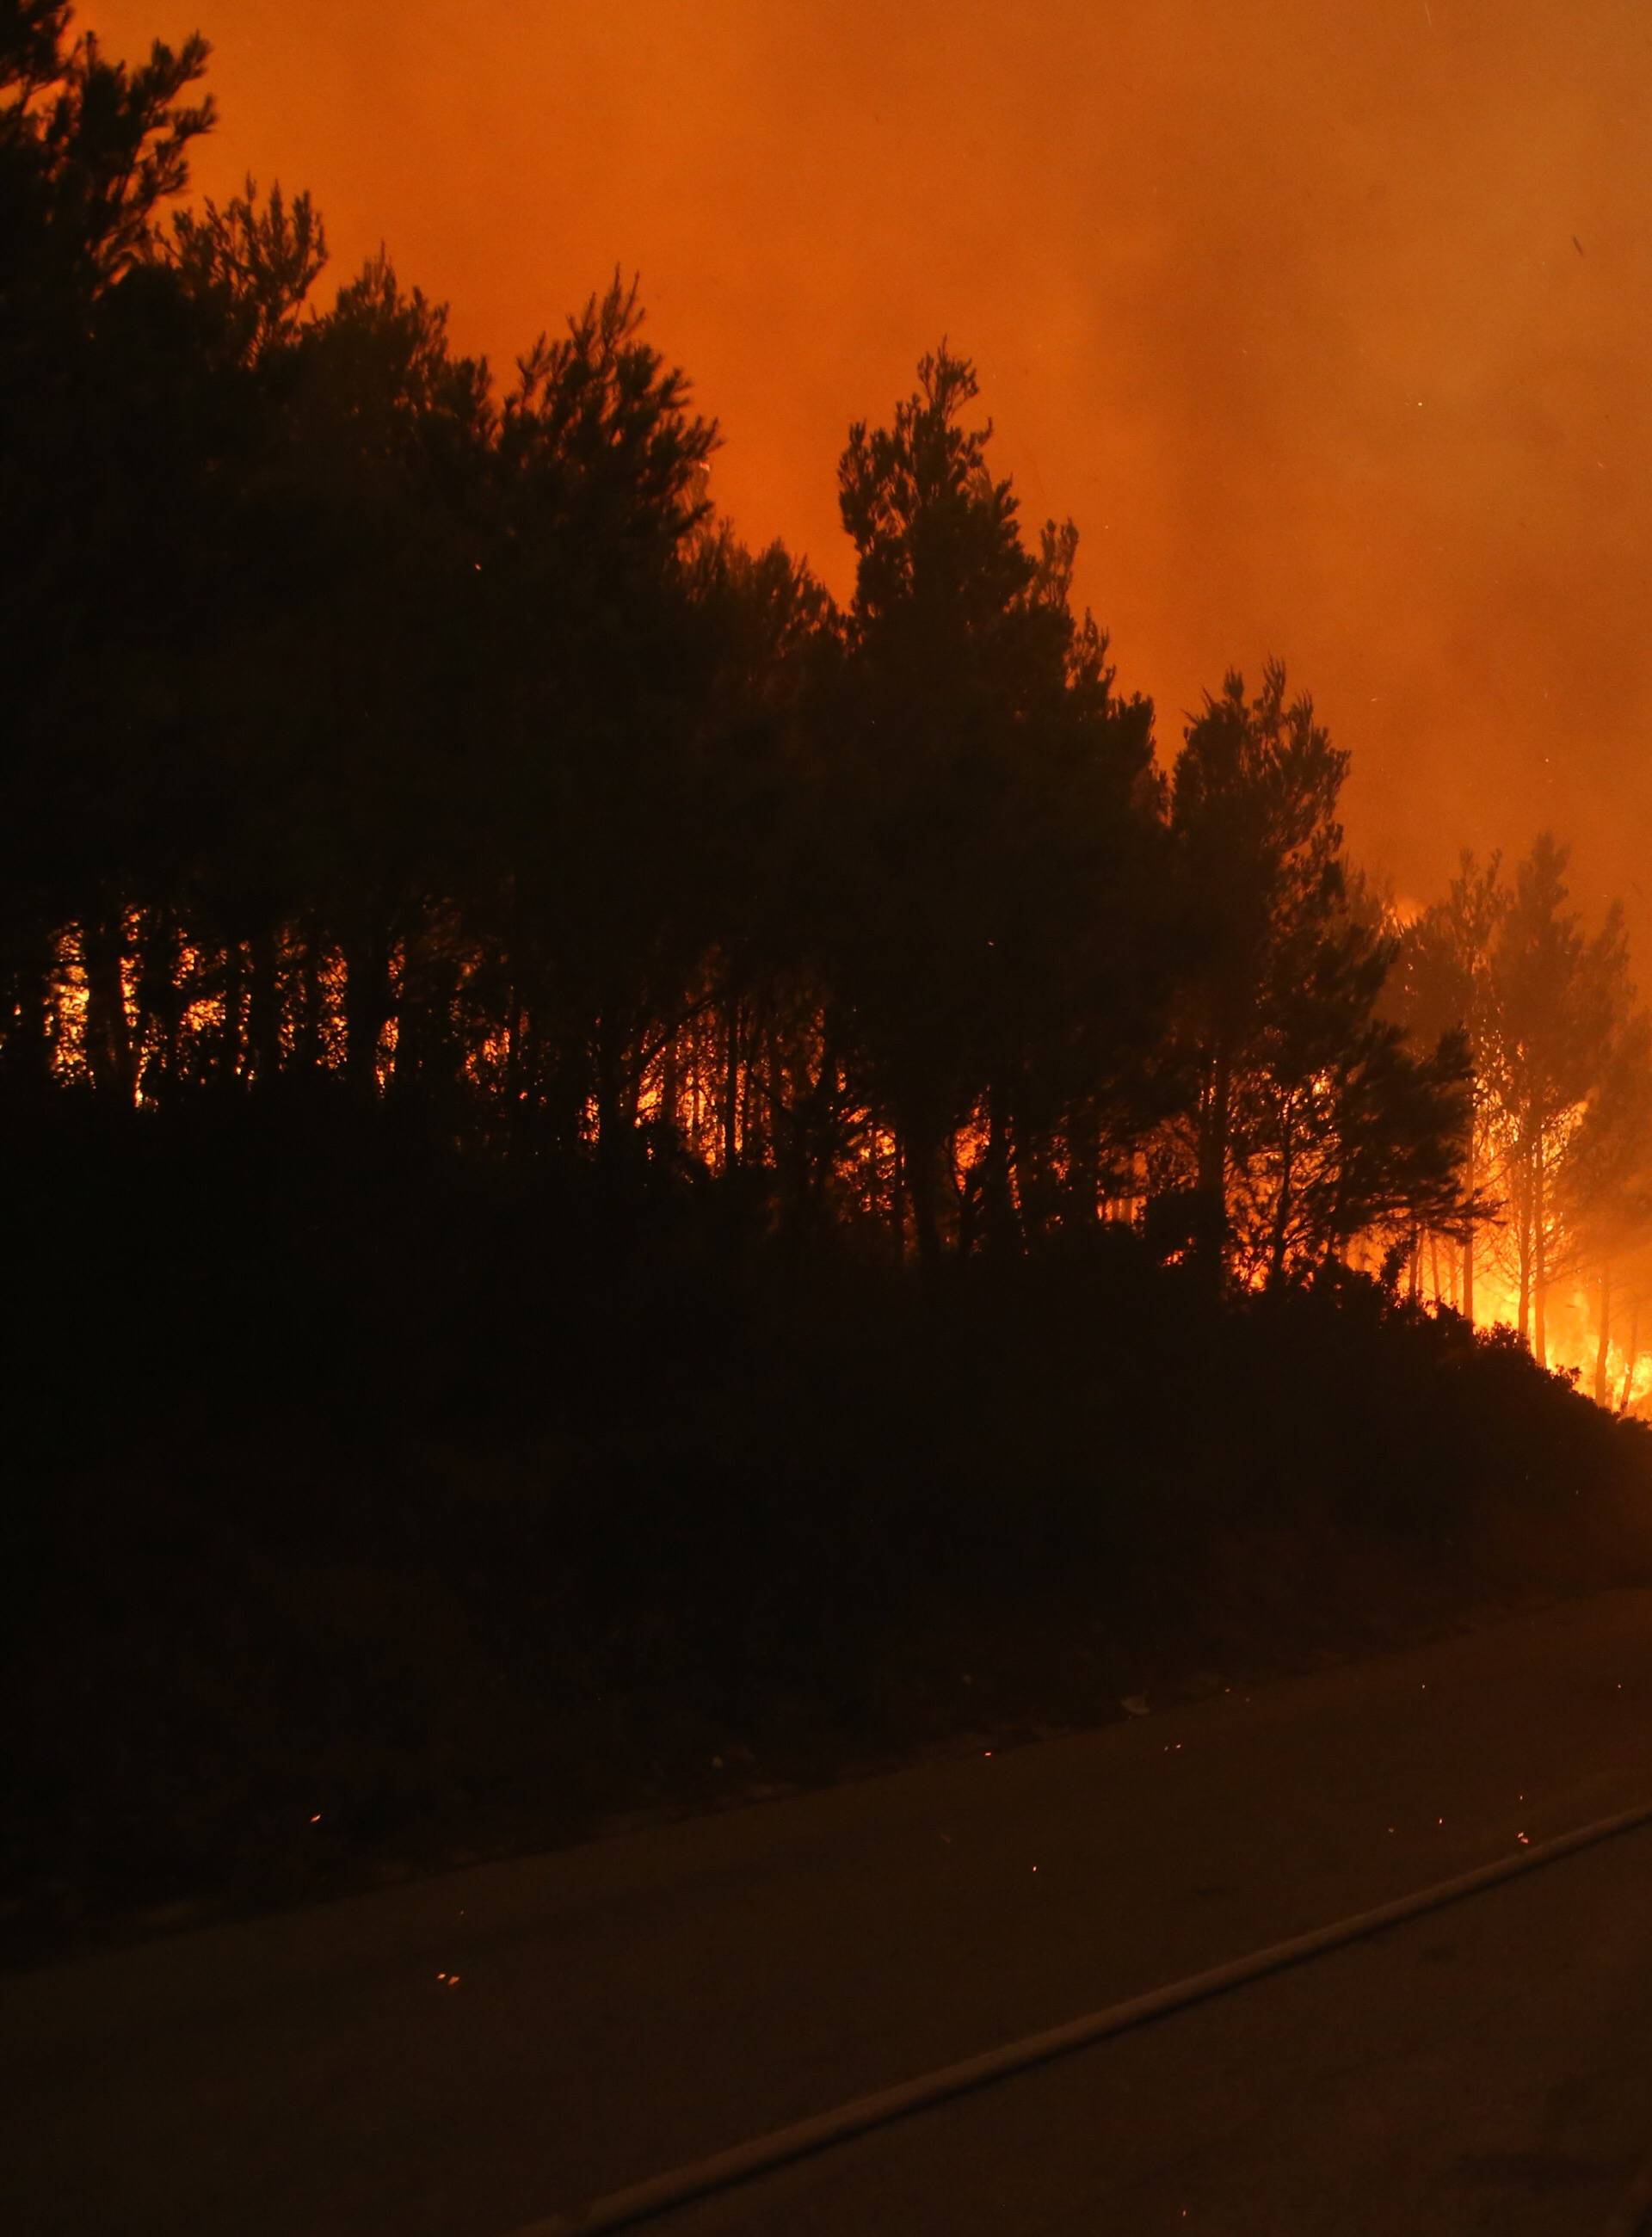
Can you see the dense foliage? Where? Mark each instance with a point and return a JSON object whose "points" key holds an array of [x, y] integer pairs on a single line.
{"points": [[379, 737]]}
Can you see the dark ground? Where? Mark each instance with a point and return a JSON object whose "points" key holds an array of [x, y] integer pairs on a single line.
{"points": [[374, 1513], [628, 2005]]}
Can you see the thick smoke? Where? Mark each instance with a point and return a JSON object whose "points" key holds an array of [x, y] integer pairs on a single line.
{"points": [[1329, 326]]}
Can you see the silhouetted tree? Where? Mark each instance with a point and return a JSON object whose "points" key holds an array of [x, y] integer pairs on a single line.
{"points": [[1308, 1122], [991, 789], [104, 433], [1442, 984], [393, 755], [1557, 996], [1604, 1190], [598, 818]]}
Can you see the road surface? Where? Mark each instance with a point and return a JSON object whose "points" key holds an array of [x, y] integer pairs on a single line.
{"points": [[1485, 2068], [636, 2004]]}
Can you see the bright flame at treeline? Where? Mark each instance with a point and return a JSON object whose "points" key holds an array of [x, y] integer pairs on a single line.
{"points": [[1561, 1253]]}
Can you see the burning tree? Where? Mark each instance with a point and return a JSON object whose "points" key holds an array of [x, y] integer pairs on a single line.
{"points": [[1561, 1090], [1557, 999], [1307, 1120]]}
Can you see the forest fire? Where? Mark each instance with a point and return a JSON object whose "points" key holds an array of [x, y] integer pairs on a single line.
{"points": [[1617, 1375], [648, 1168], [648, 888], [1418, 399], [1548, 1240]]}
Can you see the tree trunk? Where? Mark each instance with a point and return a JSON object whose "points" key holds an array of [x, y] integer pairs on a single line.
{"points": [[307, 1037], [428, 1063], [670, 1088], [1211, 1237], [1083, 1188], [731, 1087], [230, 1031], [1631, 1360], [1602, 1336], [751, 1132], [998, 1205], [1540, 1284], [161, 1001], [521, 1071], [607, 1097], [264, 1009], [368, 1009], [1468, 1240], [922, 1181], [110, 1053], [1281, 1216]]}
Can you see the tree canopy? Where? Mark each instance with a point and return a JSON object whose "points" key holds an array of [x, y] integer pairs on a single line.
{"points": [[387, 739]]}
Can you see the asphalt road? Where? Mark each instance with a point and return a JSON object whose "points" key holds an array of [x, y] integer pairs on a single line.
{"points": [[1487, 2069], [630, 2006]]}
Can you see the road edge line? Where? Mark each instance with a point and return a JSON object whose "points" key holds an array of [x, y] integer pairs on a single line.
{"points": [[721, 2170]]}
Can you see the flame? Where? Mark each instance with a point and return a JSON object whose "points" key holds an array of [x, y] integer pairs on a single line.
{"points": [[684, 1091], [1572, 1316]]}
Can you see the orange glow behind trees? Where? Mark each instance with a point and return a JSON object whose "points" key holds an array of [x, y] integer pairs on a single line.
{"points": [[507, 785], [1328, 326]]}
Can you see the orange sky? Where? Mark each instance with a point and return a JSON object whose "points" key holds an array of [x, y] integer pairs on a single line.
{"points": [[1330, 323]]}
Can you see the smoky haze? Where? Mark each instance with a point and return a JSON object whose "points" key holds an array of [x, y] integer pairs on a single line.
{"points": [[1329, 326]]}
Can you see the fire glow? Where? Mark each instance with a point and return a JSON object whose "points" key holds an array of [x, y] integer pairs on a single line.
{"points": [[683, 1091]]}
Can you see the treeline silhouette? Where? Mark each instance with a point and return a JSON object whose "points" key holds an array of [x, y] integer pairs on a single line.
{"points": [[381, 737], [597, 1144], [1560, 1143]]}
